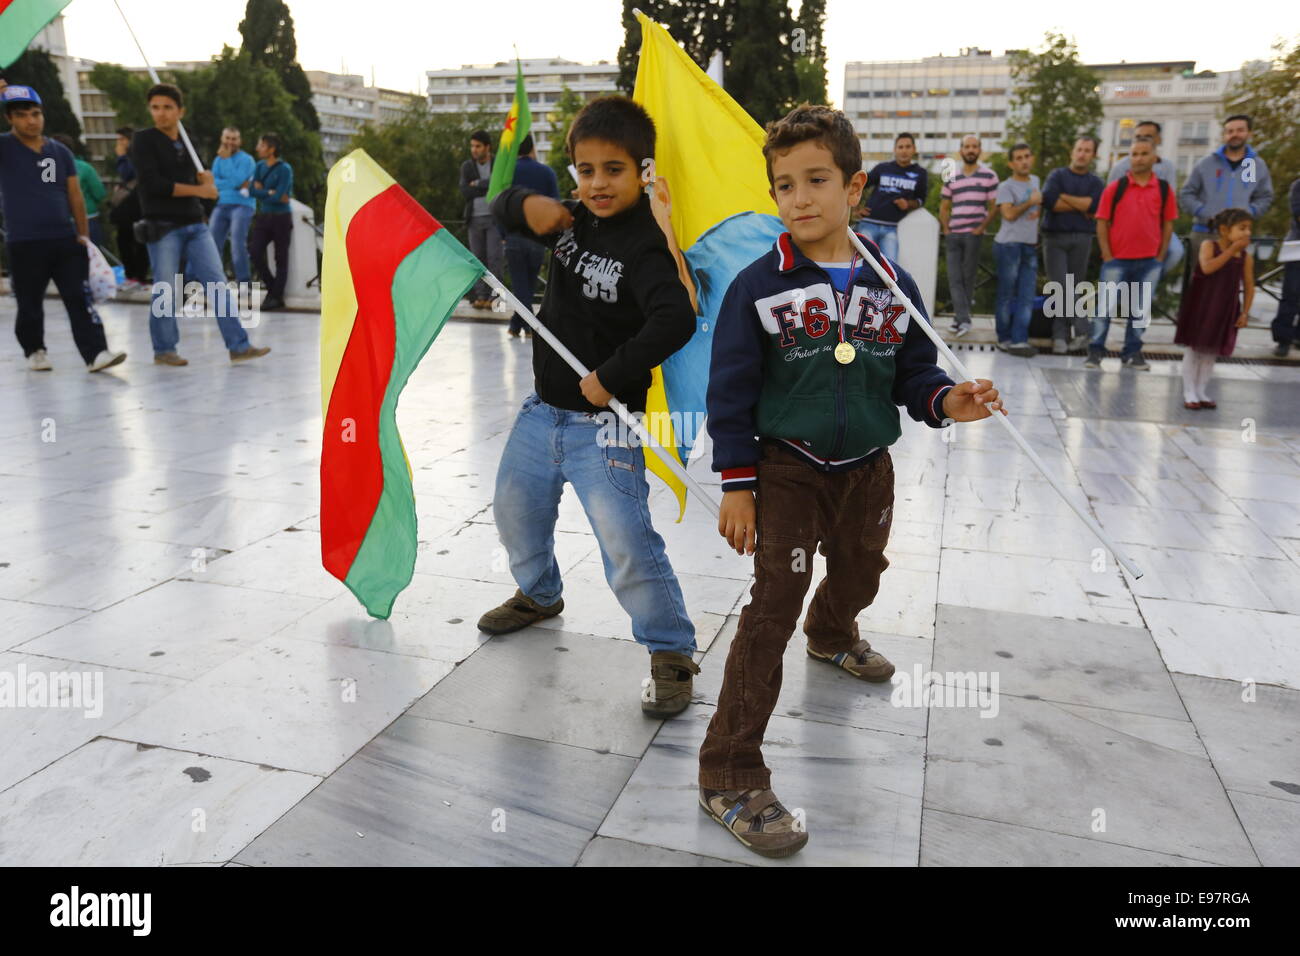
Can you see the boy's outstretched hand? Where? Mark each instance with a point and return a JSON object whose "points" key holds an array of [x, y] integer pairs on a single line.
{"points": [[971, 401], [736, 520], [545, 215]]}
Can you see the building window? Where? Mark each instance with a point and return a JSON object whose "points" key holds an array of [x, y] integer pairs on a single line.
{"points": [[965, 92], [994, 91]]}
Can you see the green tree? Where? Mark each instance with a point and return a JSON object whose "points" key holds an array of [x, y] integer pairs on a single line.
{"points": [[761, 68], [557, 157], [267, 29], [35, 69], [1056, 99], [126, 91], [1271, 97], [423, 151], [806, 42]]}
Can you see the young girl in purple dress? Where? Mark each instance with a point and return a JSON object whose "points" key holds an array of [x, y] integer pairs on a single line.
{"points": [[1216, 303]]}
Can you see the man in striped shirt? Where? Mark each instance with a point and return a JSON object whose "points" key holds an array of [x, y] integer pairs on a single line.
{"points": [[965, 208]]}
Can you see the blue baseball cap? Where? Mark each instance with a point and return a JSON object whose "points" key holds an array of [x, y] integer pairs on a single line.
{"points": [[19, 94]]}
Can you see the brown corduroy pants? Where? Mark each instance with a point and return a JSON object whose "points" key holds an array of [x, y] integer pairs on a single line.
{"points": [[798, 508]]}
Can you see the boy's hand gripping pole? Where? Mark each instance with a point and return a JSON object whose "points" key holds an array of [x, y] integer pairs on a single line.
{"points": [[642, 435]]}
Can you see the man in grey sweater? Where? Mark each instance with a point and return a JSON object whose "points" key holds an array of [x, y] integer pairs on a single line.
{"points": [[1234, 176]]}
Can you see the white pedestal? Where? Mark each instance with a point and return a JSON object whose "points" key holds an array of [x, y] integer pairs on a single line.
{"points": [[918, 252], [303, 260]]}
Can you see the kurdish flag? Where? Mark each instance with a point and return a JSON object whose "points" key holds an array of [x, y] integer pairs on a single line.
{"points": [[709, 159], [390, 277], [518, 122], [20, 21]]}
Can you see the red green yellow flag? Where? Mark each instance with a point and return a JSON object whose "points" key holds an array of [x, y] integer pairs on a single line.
{"points": [[390, 277], [20, 21], [518, 122]]}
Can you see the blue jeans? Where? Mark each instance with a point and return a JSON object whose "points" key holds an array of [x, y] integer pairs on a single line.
{"points": [[549, 446], [233, 219], [1017, 272], [192, 244], [1127, 289], [886, 237]]}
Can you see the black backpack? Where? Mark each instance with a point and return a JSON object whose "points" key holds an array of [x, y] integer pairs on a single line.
{"points": [[1122, 184]]}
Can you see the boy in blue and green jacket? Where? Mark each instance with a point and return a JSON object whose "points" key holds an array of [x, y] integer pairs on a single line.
{"points": [[812, 354]]}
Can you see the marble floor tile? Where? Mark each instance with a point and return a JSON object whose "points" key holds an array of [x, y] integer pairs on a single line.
{"points": [[1254, 742], [1027, 585], [26, 621], [1227, 642], [475, 552], [950, 839], [1011, 532], [116, 803], [1188, 530], [858, 790], [287, 562], [429, 793], [83, 702], [95, 572], [1067, 662], [1025, 496], [1272, 825], [296, 705], [179, 629], [1071, 769], [1208, 578], [550, 685], [602, 851]]}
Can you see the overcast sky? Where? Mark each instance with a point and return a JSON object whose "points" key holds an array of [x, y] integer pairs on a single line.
{"points": [[401, 39]]}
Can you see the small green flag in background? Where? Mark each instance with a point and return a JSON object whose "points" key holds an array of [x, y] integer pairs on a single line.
{"points": [[518, 122]]}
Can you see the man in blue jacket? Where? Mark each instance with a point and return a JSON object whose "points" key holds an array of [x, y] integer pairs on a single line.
{"points": [[272, 186], [523, 255], [1234, 176], [232, 173]]}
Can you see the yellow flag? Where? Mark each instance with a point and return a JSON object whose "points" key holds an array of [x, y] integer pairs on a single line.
{"points": [[709, 165]]}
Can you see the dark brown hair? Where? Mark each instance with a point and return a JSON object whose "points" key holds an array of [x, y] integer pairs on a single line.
{"points": [[820, 124], [1228, 218], [617, 120], [168, 90]]}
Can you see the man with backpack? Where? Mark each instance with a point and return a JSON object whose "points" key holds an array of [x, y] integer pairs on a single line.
{"points": [[1135, 220]]}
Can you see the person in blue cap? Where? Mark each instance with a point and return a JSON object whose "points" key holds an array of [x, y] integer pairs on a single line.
{"points": [[47, 234]]}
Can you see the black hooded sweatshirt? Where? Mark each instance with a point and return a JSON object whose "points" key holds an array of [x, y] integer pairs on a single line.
{"points": [[613, 298]]}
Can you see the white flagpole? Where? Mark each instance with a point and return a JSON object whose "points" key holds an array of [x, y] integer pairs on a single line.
{"points": [[198, 165], [642, 435], [961, 370]]}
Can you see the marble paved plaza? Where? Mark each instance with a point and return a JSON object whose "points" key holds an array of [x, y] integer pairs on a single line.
{"points": [[159, 529]]}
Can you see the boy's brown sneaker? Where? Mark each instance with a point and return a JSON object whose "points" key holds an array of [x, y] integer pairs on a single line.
{"points": [[668, 689], [860, 661], [757, 819], [251, 352], [169, 358], [518, 612]]}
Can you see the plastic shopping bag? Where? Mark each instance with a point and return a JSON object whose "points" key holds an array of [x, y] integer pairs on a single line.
{"points": [[103, 283]]}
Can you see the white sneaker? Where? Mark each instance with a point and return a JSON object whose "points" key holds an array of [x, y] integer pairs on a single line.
{"points": [[38, 361], [104, 360]]}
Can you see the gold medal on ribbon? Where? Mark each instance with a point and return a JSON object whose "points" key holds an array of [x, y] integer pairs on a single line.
{"points": [[844, 353]]}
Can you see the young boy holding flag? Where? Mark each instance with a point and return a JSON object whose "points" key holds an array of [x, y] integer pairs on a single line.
{"points": [[811, 355], [615, 300]]}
